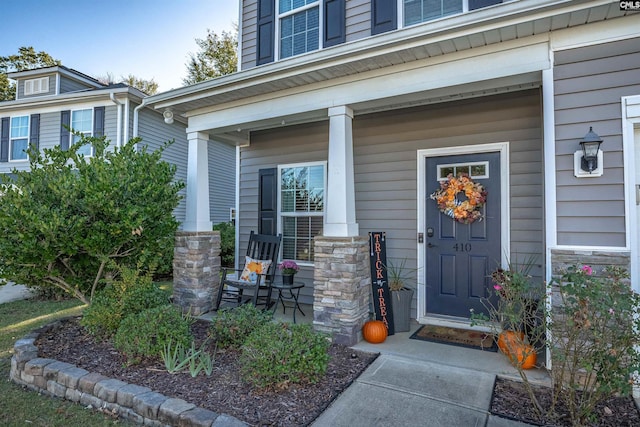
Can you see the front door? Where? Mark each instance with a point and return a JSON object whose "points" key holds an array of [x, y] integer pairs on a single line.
{"points": [[460, 257]]}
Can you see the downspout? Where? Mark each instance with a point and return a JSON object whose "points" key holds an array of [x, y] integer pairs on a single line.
{"points": [[113, 98], [135, 117]]}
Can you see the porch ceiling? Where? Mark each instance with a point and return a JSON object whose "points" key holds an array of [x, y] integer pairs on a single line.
{"points": [[510, 21]]}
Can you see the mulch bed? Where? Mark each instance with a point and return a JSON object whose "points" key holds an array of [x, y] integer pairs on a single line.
{"points": [[223, 391], [511, 400]]}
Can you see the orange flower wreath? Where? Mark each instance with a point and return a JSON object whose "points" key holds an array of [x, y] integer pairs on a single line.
{"points": [[466, 211]]}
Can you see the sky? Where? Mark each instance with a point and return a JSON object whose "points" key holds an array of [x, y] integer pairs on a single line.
{"points": [[150, 39]]}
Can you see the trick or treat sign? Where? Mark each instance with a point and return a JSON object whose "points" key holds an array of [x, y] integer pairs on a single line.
{"points": [[379, 283]]}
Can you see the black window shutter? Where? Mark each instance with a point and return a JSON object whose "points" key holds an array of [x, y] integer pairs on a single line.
{"points": [[478, 4], [267, 201], [34, 133], [98, 121], [384, 16], [4, 139], [266, 31], [65, 122], [334, 22]]}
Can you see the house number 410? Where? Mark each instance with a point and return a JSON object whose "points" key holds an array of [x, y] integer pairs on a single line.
{"points": [[462, 247]]}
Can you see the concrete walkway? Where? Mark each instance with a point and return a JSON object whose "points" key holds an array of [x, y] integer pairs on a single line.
{"points": [[418, 383], [12, 292]]}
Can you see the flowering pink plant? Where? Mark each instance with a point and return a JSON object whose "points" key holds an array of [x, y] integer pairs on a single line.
{"points": [[289, 267]]}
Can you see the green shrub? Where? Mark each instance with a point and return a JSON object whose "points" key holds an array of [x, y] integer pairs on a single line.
{"points": [[227, 243], [147, 333], [131, 294], [278, 354], [231, 327]]}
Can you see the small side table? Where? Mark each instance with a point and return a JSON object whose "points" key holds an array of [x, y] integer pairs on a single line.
{"points": [[288, 293]]}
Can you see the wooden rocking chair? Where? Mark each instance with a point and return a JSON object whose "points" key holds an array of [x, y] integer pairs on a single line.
{"points": [[263, 249]]}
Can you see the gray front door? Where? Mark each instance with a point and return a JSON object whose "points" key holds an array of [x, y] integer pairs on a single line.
{"points": [[460, 257]]}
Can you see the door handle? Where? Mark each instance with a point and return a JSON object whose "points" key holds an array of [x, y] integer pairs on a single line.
{"points": [[431, 245]]}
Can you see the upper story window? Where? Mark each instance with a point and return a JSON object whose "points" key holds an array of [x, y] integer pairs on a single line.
{"points": [[416, 11], [19, 138], [302, 204], [82, 121], [299, 22], [36, 86]]}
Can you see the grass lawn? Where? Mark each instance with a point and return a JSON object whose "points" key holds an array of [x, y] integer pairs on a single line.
{"points": [[20, 407]]}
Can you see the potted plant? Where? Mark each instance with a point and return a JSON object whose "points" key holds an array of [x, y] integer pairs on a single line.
{"points": [[401, 294], [289, 268]]}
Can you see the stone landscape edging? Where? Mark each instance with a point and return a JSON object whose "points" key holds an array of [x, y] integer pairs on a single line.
{"points": [[129, 401]]}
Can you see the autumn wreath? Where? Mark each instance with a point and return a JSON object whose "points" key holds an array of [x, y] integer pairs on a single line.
{"points": [[466, 211]]}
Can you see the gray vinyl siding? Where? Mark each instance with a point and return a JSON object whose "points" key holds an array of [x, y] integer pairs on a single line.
{"points": [[385, 150], [154, 133], [249, 34], [49, 128], [589, 82], [20, 88], [70, 85], [222, 180], [358, 16]]}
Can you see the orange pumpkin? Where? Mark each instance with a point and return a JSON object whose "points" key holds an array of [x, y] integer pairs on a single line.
{"points": [[523, 355], [506, 338], [374, 331]]}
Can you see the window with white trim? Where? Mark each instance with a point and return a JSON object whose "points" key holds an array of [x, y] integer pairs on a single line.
{"points": [[299, 22], [302, 202], [36, 86], [19, 138], [82, 121]]}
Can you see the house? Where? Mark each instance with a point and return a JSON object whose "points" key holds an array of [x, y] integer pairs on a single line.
{"points": [[348, 114], [50, 98]]}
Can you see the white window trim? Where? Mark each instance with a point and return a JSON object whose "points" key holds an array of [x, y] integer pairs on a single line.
{"points": [[83, 132], [294, 214], [279, 17], [11, 138]]}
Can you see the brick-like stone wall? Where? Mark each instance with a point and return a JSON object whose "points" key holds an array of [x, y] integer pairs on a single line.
{"points": [[196, 268], [341, 283], [132, 402], [563, 258]]}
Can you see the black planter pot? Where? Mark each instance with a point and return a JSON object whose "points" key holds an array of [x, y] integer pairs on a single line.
{"points": [[401, 306]]}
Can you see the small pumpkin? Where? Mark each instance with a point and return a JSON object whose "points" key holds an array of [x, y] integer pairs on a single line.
{"points": [[506, 338], [374, 331], [523, 355]]}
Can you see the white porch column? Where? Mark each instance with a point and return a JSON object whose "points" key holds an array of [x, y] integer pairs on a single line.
{"points": [[340, 217], [198, 217]]}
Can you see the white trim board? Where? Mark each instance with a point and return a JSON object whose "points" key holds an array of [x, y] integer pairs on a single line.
{"points": [[421, 156], [630, 121]]}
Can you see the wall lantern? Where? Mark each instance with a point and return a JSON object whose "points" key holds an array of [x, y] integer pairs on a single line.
{"points": [[168, 116], [588, 162]]}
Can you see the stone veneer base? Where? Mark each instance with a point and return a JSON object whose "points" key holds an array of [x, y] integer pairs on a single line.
{"points": [[132, 402]]}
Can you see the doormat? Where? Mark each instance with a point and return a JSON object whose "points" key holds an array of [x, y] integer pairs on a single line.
{"points": [[460, 337]]}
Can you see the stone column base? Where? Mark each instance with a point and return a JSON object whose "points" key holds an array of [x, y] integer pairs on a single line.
{"points": [[341, 281], [196, 268]]}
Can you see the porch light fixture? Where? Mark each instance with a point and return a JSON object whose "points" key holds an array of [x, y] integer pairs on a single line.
{"points": [[168, 116], [588, 161], [590, 146]]}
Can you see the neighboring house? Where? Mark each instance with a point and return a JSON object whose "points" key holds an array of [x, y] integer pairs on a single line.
{"points": [[348, 114], [48, 99]]}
